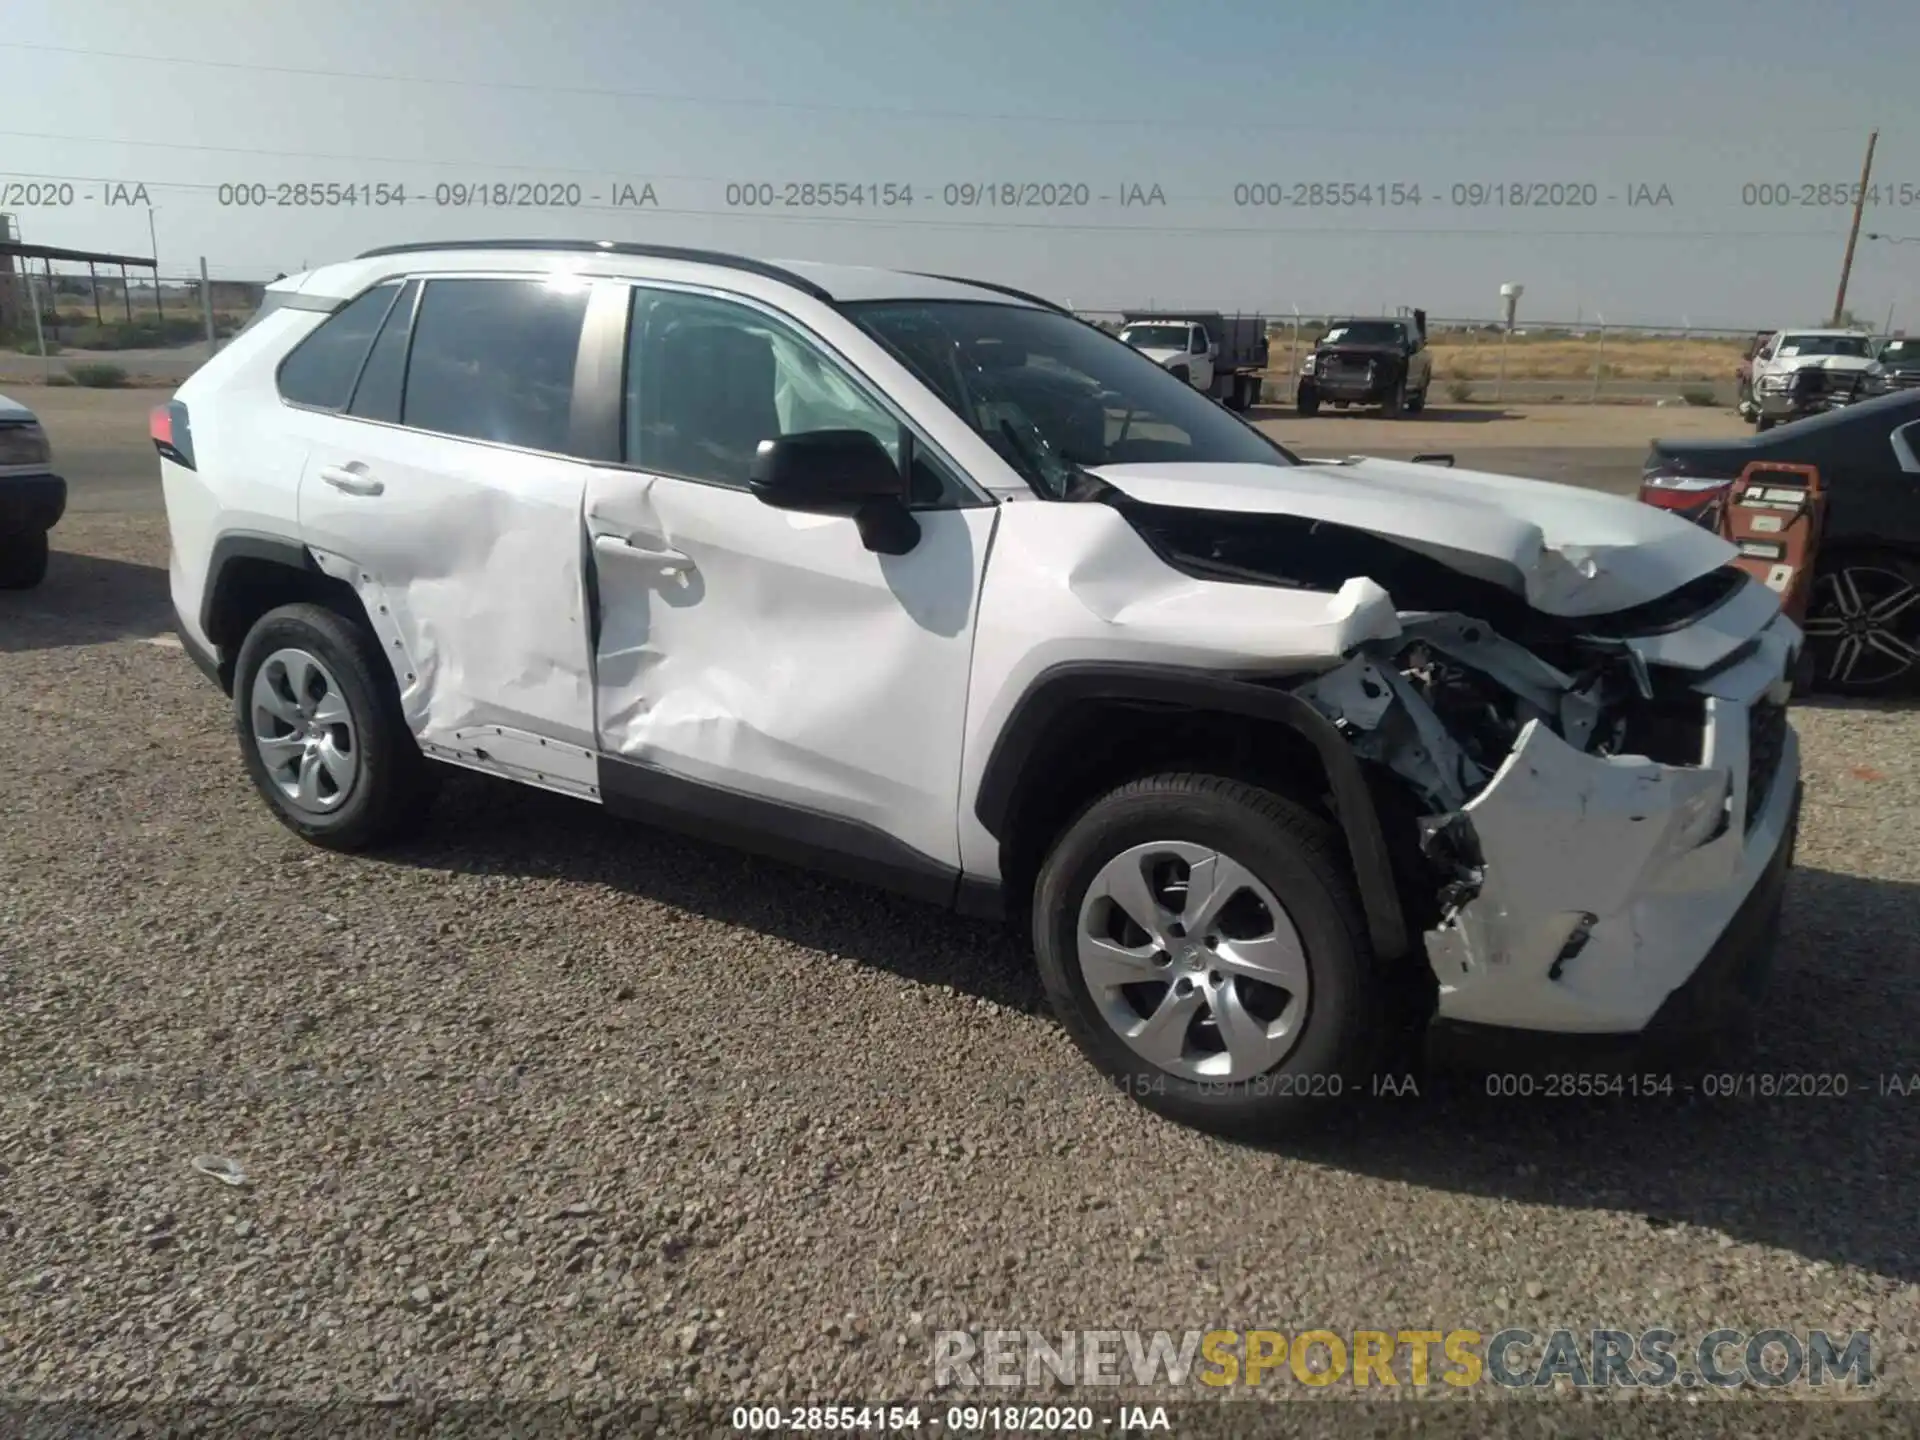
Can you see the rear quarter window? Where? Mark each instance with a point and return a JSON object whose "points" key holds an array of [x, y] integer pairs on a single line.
{"points": [[321, 369]]}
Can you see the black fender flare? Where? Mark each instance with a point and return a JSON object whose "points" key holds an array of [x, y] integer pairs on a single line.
{"points": [[1058, 689], [247, 545]]}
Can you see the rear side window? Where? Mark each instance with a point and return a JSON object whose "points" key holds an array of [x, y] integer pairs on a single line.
{"points": [[321, 369], [383, 380], [493, 360]]}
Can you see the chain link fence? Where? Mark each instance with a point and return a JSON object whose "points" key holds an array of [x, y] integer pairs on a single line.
{"points": [[159, 332], [1477, 361]]}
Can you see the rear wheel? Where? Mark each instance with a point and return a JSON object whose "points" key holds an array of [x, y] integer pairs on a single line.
{"points": [[1199, 940], [23, 560], [322, 731], [1863, 624]]}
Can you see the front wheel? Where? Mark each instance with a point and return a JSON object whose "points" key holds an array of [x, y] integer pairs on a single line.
{"points": [[1395, 404], [1307, 402], [1200, 941], [1863, 625], [322, 731], [23, 560]]}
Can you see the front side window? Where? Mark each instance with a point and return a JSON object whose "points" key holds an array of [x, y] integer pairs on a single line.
{"points": [[709, 379], [1055, 396], [494, 360], [321, 369]]}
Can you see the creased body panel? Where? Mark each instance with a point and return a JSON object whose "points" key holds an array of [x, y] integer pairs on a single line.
{"points": [[1569, 551], [471, 554], [1647, 862], [777, 655], [1076, 582]]}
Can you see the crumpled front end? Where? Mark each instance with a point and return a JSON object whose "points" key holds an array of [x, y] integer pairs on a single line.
{"points": [[1594, 812]]}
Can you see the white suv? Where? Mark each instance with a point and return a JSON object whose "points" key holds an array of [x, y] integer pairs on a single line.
{"points": [[927, 582]]}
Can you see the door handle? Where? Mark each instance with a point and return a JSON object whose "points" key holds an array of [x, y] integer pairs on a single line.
{"points": [[631, 548], [353, 482]]}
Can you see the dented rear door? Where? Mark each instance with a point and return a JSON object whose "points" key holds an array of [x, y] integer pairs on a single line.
{"points": [[449, 505]]}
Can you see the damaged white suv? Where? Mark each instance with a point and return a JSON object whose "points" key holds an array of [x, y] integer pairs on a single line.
{"points": [[929, 583]]}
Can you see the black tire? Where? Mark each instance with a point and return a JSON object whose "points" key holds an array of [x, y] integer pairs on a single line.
{"points": [[23, 560], [1297, 857], [1307, 402], [393, 787], [1762, 423], [1416, 402], [1395, 405], [1857, 583]]}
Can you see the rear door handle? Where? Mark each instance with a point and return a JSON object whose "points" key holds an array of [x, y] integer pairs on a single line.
{"points": [[351, 480], [632, 548]]}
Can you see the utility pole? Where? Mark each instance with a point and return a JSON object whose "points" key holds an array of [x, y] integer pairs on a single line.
{"points": [[1853, 234], [206, 303]]}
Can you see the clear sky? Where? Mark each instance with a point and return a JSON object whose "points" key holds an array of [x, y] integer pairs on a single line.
{"points": [[1733, 106]]}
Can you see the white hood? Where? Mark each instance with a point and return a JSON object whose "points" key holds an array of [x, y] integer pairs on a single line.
{"points": [[13, 412], [1160, 355], [1569, 551]]}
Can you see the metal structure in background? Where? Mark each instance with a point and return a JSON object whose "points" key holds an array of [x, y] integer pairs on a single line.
{"points": [[18, 258], [64, 307]]}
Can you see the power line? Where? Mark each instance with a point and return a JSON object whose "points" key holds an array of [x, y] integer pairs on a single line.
{"points": [[1214, 126]]}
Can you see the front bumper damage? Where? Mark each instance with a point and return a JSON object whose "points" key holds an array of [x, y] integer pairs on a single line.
{"points": [[1583, 889]]}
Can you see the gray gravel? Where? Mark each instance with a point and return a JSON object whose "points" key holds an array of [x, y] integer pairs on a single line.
{"points": [[545, 1105]]}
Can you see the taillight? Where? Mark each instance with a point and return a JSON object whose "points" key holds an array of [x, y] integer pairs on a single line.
{"points": [[171, 435], [1695, 497]]}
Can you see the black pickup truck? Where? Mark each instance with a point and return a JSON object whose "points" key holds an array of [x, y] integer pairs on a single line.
{"points": [[1382, 362]]}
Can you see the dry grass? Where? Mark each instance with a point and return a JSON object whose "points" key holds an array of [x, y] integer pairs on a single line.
{"points": [[1476, 356]]}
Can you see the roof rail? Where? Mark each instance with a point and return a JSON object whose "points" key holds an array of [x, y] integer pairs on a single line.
{"points": [[997, 289], [617, 247]]}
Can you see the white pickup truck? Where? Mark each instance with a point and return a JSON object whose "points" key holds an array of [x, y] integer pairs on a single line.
{"points": [[1224, 356]]}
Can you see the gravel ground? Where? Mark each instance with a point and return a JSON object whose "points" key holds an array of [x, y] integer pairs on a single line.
{"points": [[548, 1106]]}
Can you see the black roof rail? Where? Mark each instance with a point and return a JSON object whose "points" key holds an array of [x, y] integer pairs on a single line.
{"points": [[617, 247], [997, 289]]}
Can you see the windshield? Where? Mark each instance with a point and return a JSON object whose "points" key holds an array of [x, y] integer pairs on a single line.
{"points": [[1156, 337], [1053, 395], [1364, 332], [1855, 345], [1900, 351]]}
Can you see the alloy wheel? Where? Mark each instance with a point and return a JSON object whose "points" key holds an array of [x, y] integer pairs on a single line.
{"points": [[1864, 625], [304, 731], [1193, 962]]}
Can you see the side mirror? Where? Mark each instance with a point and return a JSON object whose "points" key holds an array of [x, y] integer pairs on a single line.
{"points": [[840, 472]]}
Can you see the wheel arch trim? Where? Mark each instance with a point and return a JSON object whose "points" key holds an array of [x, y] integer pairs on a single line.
{"points": [[1057, 691]]}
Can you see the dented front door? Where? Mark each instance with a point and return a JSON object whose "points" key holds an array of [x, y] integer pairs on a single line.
{"points": [[763, 652]]}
